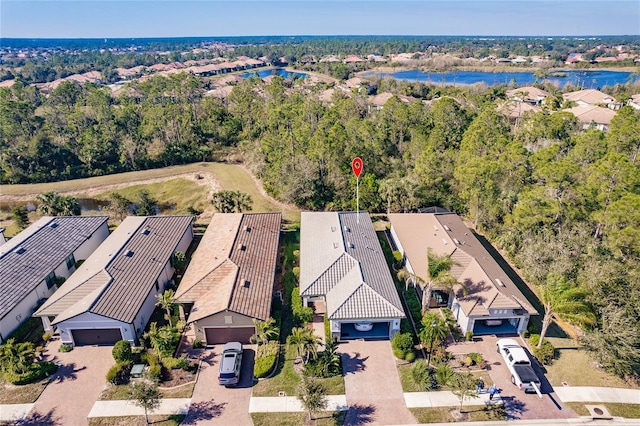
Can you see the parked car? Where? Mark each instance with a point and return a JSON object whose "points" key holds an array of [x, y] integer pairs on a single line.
{"points": [[363, 326], [522, 373], [230, 364]]}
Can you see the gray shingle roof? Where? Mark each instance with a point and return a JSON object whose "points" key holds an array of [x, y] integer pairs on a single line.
{"points": [[341, 258], [43, 247], [112, 284]]}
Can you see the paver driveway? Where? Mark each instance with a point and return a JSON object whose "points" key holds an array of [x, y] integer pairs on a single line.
{"points": [[215, 404], [75, 387], [518, 404], [372, 384]]}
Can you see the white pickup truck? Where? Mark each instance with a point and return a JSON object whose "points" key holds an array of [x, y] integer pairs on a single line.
{"points": [[519, 364]]}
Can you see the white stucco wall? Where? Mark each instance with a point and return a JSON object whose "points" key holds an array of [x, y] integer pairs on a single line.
{"points": [[92, 243], [92, 321]]}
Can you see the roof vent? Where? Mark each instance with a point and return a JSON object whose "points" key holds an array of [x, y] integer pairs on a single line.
{"points": [[247, 283], [54, 225], [335, 245], [20, 250], [128, 253], [145, 231], [500, 283], [435, 228], [444, 241], [457, 241], [346, 228], [350, 244], [247, 228], [447, 228], [333, 229], [242, 247]]}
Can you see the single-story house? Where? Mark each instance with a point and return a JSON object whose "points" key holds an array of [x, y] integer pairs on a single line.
{"points": [[487, 301], [342, 265], [31, 261], [593, 116], [229, 281], [528, 94], [113, 293], [589, 97]]}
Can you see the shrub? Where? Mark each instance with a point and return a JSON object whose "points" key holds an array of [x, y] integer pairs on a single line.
{"points": [[34, 373], [475, 358], [301, 314], [423, 376], [176, 363], [264, 365], [469, 335], [197, 344], [443, 374], [544, 353], [296, 272], [397, 259], [65, 348], [410, 356], [403, 342], [154, 372], [119, 373], [399, 353], [122, 351], [46, 337]]}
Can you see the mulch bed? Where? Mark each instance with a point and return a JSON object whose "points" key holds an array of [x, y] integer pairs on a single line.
{"points": [[177, 377]]}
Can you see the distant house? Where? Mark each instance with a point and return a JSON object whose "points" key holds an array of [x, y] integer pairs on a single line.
{"points": [[352, 59], [112, 295], [589, 97], [528, 94], [230, 279], [31, 261], [378, 101], [634, 102], [593, 116], [342, 268], [491, 303], [515, 110]]}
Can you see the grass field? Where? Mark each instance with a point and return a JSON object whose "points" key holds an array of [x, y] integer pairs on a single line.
{"points": [[159, 420], [472, 414], [628, 411], [326, 418], [24, 394]]}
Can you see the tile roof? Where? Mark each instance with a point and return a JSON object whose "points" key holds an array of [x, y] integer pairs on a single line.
{"points": [[592, 114], [234, 266], [27, 258], [341, 258], [488, 285], [527, 92], [589, 96], [116, 279]]}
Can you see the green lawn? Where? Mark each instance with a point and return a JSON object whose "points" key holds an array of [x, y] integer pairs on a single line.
{"points": [[326, 418], [473, 414], [575, 367], [628, 411], [114, 393]]}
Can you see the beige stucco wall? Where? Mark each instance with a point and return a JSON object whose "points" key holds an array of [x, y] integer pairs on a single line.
{"points": [[218, 320]]}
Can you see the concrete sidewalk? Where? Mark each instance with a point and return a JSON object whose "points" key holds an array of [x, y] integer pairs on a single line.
{"points": [[283, 404], [446, 399], [12, 412], [597, 394], [128, 408]]}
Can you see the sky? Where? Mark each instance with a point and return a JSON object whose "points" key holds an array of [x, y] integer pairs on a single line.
{"points": [[177, 18]]}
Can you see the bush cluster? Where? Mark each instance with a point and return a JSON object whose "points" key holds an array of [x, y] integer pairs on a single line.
{"points": [[266, 361], [176, 363], [545, 353], [65, 348], [197, 344], [403, 348], [301, 314], [118, 374], [122, 351], [35, 372]]}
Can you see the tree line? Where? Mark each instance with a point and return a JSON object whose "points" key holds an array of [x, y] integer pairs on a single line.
{"points": [[562, 202]]}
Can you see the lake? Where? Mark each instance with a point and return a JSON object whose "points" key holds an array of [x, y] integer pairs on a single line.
{"points": [[275, 71], [586, 79]]}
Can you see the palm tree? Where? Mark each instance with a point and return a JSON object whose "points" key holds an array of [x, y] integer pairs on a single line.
{"points": [[559, 298], [16, 357], [439, 276], [165, 300], [53, 204], [265, 331], [330, 358], [305, 342], [433, 332]]}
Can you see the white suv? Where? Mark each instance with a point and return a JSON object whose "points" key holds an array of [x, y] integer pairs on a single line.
{"points": [[230, 364]]}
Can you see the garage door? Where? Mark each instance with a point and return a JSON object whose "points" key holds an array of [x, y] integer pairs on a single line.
{"points": [[225, 335], [379, 331], [96, 336]]}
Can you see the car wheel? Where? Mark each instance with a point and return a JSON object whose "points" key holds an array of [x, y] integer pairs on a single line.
{"points": [[513, 380]]}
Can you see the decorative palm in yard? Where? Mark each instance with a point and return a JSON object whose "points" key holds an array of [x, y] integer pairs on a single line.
{"points": [[265, 331], [438, 276], [305, 343], [165, 300]]}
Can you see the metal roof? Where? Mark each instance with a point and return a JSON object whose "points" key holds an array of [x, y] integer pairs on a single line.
{"points": [[27, 258], [234, 266], [341, 258], [116, 279]]}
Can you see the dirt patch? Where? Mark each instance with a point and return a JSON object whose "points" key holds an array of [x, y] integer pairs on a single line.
{"points": [[459, 416], [172, 378]]}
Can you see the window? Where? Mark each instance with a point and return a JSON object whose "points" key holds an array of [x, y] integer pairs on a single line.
{"points": [[71, 261], [50, 280]]}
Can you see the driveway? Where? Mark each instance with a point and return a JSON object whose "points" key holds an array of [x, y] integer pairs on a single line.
{"points": [[75, 387], [519, 405], [373, 390], [215, 404]]}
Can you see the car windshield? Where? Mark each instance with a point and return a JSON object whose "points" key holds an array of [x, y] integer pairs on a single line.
{"points": [[227, 375]]}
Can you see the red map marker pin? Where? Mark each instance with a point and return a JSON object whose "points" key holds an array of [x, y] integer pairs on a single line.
{"points": [[356, 166]]}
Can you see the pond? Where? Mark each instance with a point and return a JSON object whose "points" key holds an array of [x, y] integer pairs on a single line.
{"points": [[591, 79], [275, 71]]}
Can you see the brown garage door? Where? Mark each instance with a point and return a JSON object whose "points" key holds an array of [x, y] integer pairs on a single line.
{"points": [[225, 335], [96, 336]]}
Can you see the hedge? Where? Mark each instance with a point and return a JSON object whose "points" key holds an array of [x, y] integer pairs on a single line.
{"points": [[545, 353], [33, 374], [301, 314], [119, 373], [264, 365]]}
